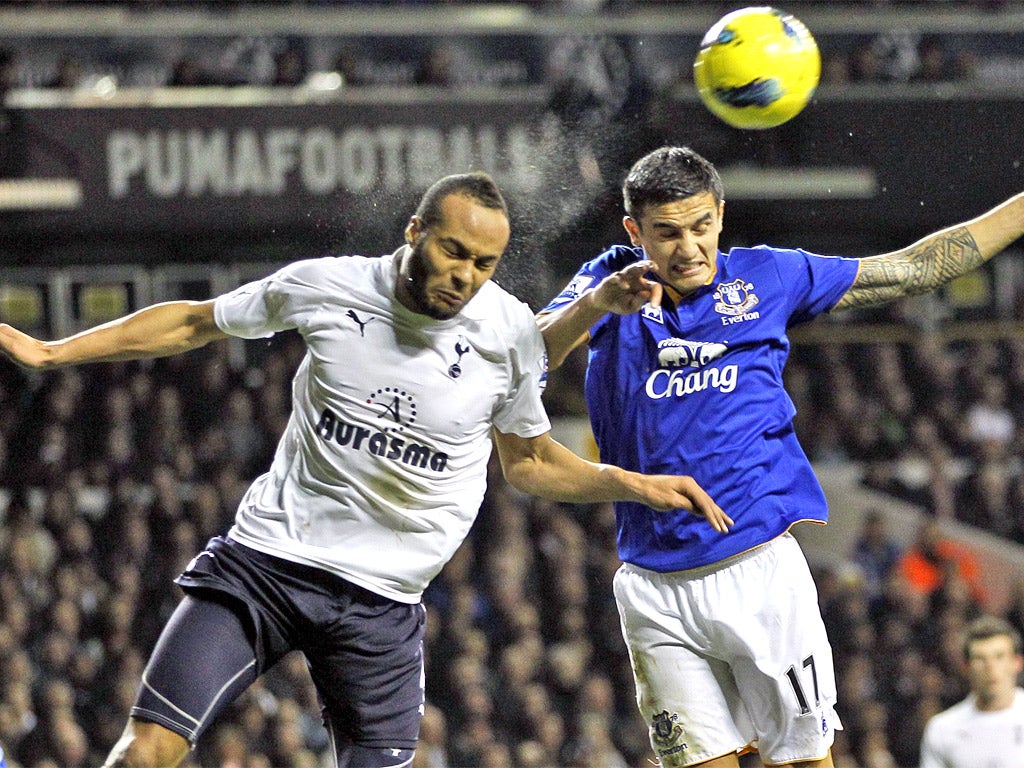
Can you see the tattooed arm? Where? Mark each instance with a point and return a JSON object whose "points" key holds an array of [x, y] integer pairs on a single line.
{"points": [[937, 259]]}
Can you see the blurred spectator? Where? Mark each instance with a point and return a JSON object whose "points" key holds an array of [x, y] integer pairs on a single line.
{"points": [[13, 146], [188, 72], [934, 559], [866, 65], [289, 66], [986, 495], [230, 748], [437, 67], [876, 553], [835, 68], [8, 70], [989, 417], [68, 75], [961, 65], [432, 750], [935, 65]]}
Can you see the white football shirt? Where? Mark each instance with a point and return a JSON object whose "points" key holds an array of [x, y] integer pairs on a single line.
{"points": [[965, 737], [382, 467]]}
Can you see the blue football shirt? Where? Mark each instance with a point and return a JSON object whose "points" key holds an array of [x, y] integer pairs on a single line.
{"points": [[696, 388]]}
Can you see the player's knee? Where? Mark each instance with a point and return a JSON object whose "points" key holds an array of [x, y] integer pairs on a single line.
{"points": [[147, 745], [375, 757]]}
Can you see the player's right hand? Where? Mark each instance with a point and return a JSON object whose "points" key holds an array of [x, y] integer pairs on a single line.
{"points": [[667, 492], [22, 348]]}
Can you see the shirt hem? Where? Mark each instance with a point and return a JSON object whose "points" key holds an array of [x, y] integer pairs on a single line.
{"points": [[367, 584], [702, 570]]}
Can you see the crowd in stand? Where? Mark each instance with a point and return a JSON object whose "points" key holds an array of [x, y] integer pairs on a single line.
{"points": [[937, 424], [114, 475], [438, 58]]}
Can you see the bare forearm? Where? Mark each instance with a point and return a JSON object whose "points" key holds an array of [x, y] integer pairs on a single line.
{"points": [[561, 475], [567, 328], [622, 292], [543, 467], [936, 259], [156, 331]]}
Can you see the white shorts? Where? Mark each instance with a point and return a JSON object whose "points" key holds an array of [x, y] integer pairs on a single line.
{"points": [[731, 657]]}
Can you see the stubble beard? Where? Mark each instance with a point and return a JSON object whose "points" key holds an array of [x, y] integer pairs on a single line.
{"points": [[417, 284]]}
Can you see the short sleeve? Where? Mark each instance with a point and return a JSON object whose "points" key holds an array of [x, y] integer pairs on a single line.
{"points": [[264, 307], [587, 278], [592, 273], [817, 283], [522, 412]]}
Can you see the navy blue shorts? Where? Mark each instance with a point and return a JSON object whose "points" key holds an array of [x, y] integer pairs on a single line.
{"points": [[244, 610]]}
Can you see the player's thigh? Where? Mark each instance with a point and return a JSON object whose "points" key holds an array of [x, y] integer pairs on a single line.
{"points": [[202, 661], [367, 665], [783, 663], [689, 700]]}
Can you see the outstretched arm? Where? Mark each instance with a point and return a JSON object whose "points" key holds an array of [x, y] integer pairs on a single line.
{"points": [[544, 467], [156, 331], [623, 293], [937, 259]]}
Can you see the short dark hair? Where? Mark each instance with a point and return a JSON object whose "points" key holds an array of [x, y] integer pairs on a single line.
{"points": [[667, 174], [987, 627], [477, 185]]}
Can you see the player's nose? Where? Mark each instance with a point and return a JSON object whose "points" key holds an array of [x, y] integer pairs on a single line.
{"points": [[687, 248], [462, 274]]}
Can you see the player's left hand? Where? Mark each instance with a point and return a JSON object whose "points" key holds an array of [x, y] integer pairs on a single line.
{"points": [[625, 291], [666, 492]]}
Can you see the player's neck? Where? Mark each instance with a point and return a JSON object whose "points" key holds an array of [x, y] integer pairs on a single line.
{"points": [[996, 703]]}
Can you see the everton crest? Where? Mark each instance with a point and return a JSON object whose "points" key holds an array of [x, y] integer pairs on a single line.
{"points": [[735, 298], [664, 730]]}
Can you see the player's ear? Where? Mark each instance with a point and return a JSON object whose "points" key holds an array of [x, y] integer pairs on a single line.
{"points": [[413, 229], [632, 228]]}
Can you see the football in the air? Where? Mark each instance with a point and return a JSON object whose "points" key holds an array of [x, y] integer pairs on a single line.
{"points": [[757, 67]]}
